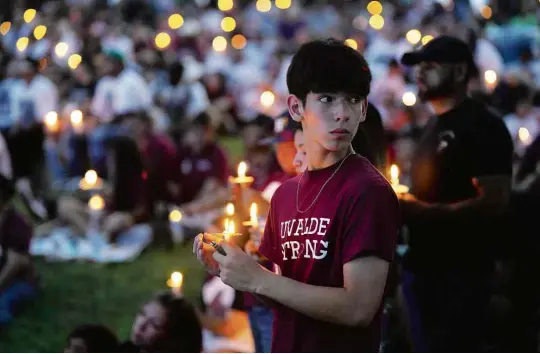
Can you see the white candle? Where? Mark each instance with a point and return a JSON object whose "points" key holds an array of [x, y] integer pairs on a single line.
{"points": [[253, 210]]}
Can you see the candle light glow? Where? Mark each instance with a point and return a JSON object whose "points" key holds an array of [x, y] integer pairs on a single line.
{"points": [[96, 203], [175, 282], [241, 178], [394, 180]]}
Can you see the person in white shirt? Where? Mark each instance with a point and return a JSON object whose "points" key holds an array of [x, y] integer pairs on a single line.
{"points": [[182, 98], [119, 92], [37, 97]]}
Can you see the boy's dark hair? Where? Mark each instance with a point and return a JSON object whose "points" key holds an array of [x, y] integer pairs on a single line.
{"points": [[328, 66], [183, 328], [97, 338]]}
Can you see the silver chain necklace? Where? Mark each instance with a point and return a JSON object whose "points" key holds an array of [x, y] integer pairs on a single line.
{"points": [[320, 191]]}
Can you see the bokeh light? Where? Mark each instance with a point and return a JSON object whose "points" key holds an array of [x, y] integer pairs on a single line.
{"points": [[376, 22], [374, 7], [22, 44], [61, 49], [29, 15], [490, 76], [267, 98], [5, 27], [163, 40], [176, 21], [283, 4], [486, 12], [426, 39], [263, 5], [225, 5], [228, 24], [40, 32], [351, 43], [238, 41], [413, 36], [219, 44], [409, 99], [74, 61]]}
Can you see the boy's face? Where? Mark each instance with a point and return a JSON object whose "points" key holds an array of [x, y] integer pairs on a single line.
{"points": [[300, 160], [331, 119]]}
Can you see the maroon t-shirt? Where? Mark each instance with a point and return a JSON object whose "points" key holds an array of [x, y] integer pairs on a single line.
{"points": [[195, 169], [160, 163], [356, 215]]}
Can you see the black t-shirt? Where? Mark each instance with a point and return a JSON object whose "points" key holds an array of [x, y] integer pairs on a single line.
{"points": [[466, 142]]}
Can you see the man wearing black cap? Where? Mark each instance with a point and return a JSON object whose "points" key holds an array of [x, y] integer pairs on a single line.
{"points": [[461, 179]]}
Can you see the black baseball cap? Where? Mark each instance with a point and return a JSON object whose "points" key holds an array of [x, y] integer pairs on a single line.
{"points": [[443, 49]]}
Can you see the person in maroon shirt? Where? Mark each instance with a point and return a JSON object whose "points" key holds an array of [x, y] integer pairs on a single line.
{"points": [[331, 231], [203, 169]]}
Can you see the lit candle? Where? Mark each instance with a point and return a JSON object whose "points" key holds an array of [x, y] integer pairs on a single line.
{"points": [[96, 204], [241, 179], [175, 282], [77, 121], [394, 181], [90, 181], [229, 209], [253, 217], [175, 218], [51, 121], [228, 232], [524, 136], [490, 77]]}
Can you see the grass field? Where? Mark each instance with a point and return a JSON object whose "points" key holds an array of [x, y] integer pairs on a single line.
{"points": [[76, 293]]}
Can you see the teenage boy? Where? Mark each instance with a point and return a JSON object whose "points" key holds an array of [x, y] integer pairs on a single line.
{"points": [[331, 231]]}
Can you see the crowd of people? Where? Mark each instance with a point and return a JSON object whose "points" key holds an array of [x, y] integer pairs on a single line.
{"points": [[114, 114]]}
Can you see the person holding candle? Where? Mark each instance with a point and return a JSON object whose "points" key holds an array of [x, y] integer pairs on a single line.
{"points": [[460, 187], [128, 202], [331, 231]]}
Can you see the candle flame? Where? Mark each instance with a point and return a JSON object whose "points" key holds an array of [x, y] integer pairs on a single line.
{"points": [[96, 203], [176, 280], [76, 117], [394, 174], [229, 209], [175, 216], [253, 212], [51, 119], [242, 169], [91, 177], [524, 135], [267, 98]]}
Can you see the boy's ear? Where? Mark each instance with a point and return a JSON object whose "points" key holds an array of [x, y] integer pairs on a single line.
{"points": [[296, 108]]}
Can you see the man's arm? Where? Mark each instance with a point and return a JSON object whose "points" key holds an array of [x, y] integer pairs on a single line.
{"points": [[212, 195], [354, 304], [493, 197], [15, 263]]}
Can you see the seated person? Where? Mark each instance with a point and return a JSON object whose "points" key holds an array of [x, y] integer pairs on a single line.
{"points": [[158, 156], [165, 324], [17, 275], [127, 202], [92, 338], [204, 169]]}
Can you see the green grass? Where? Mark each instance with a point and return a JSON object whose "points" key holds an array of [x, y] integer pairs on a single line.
{"points": [[75, 293]]}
